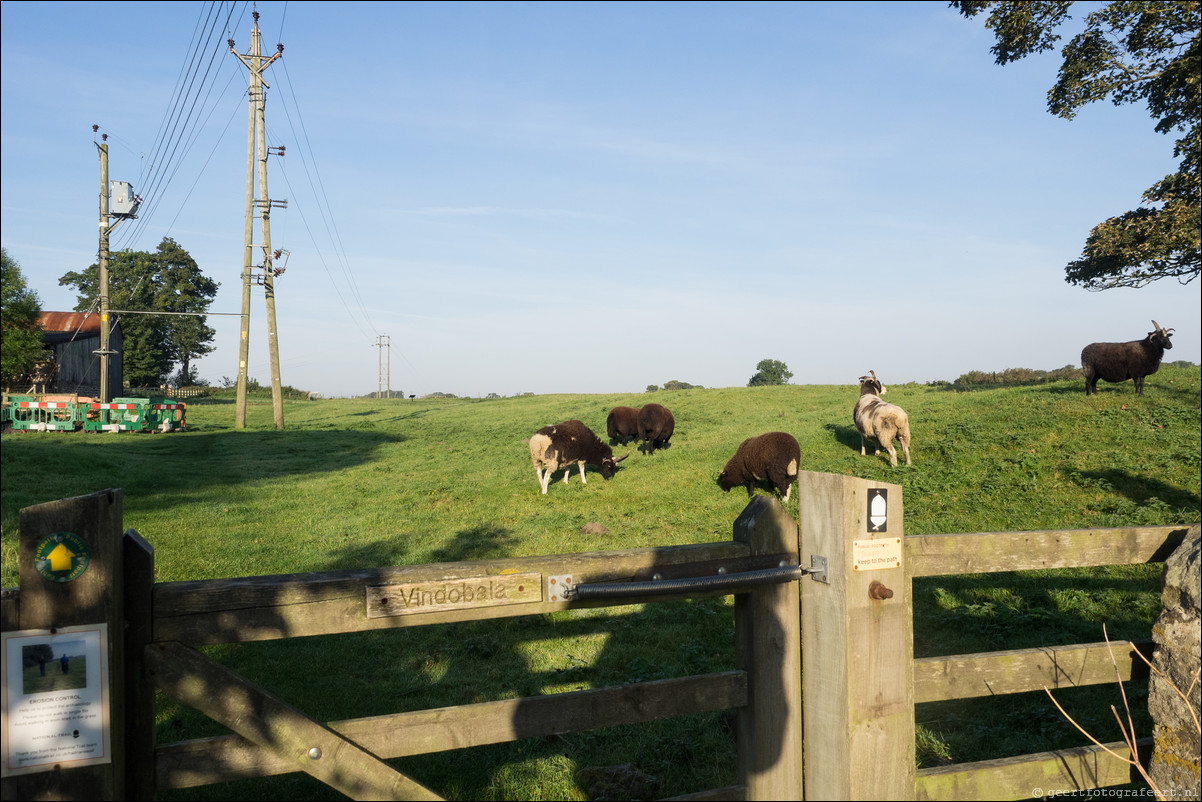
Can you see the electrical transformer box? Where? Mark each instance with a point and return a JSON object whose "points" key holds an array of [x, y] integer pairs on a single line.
{"points": [[121, 199]]}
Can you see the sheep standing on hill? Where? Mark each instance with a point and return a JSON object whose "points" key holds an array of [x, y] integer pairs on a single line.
{"points": [[880, 421], [773, 457], [622, 423], [656, 426], [1117, 362], [558, 446]]}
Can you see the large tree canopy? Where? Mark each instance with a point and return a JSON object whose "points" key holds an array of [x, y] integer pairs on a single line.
{"points": [[1129, 52], [20, 336], [770, 371], [168, 280]]}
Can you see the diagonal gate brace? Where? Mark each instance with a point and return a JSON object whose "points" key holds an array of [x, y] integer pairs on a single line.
{"points": [[272, 723]]}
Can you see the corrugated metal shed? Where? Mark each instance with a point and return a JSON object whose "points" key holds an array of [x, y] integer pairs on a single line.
{"points": [[73, 337]]}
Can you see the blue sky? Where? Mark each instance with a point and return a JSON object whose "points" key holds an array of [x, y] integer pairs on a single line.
{"points": [[595, 197]]}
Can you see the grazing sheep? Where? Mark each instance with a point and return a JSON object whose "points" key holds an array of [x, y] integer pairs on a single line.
{"points": [[1117, 362], [880, 421], [656, 425], [623, 422], [558, 446], [773, 457]]}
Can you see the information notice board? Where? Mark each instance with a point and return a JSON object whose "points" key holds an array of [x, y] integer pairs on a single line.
{"points": [[56, 699]]}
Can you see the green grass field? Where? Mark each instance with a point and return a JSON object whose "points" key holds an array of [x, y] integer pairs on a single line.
{"points": [[365, 483]]}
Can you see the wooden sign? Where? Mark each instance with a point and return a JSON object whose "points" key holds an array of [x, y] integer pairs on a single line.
{"points": [[875, 555], [417, 598]]}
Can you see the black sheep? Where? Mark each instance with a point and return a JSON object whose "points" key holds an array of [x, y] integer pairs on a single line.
{"points": [[622, 423], [773, 457], [1117, 362], [656, 426]]}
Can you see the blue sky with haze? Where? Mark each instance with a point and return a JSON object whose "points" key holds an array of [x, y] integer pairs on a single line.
{"points": [[594, 197]]}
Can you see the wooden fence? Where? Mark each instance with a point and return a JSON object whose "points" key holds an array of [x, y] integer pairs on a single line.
{"points": [[846, 636]]}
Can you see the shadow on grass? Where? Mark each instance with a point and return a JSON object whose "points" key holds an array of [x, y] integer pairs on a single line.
{"points": [[1141, 489], [483, 542], [165, 470], [844, 435], [963, 614]]}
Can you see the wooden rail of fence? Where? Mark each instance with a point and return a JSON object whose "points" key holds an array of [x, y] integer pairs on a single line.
{"points": [[863, 680]]}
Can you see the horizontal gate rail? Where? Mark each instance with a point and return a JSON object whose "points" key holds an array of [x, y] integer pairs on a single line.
{"points": [[232, 757], [214, 611], [967, 676], [1036, 775], [990, 552]]}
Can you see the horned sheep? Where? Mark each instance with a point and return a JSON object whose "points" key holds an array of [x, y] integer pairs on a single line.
{"points": [[773, 457], [656, 426], [622, 424], [1117, 362], [556, 447], [880, 421]]}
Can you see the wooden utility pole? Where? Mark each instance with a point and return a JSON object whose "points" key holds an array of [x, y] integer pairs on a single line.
{"points": [[128, 208], [383, 341], [257, 149], [103, 262]]}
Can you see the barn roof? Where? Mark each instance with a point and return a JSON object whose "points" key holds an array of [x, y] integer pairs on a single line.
{"points": [[60, 327], [83, 322]]}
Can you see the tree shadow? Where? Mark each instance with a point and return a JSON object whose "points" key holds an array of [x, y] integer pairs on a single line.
{"points": [[482, 542], [166, 463], [1142, 489]]}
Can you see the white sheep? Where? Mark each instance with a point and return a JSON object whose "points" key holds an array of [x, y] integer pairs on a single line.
{"points": [[880, 421]]}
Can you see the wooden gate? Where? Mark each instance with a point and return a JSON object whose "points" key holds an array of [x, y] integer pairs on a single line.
{"points": [[853, 613]]}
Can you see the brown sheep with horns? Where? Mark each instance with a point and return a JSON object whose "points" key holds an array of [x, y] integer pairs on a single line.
{"points": [[558, 446]]}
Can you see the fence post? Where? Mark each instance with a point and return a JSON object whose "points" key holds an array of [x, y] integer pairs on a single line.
{"points": [[140, 773], [768, 648], [857, 644], [95, 596]]}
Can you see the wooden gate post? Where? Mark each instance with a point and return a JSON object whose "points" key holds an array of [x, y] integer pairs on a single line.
{"points": [[857, 644], [768, 648], [94, 596]]}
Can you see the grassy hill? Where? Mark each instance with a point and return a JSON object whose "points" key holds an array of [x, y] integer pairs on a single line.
{"points": [[354, 483]]}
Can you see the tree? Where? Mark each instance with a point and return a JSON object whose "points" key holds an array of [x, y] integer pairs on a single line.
{"points": [[37, 653], [1129, 51], [168, 280], [770, 371], [20, 335]]}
